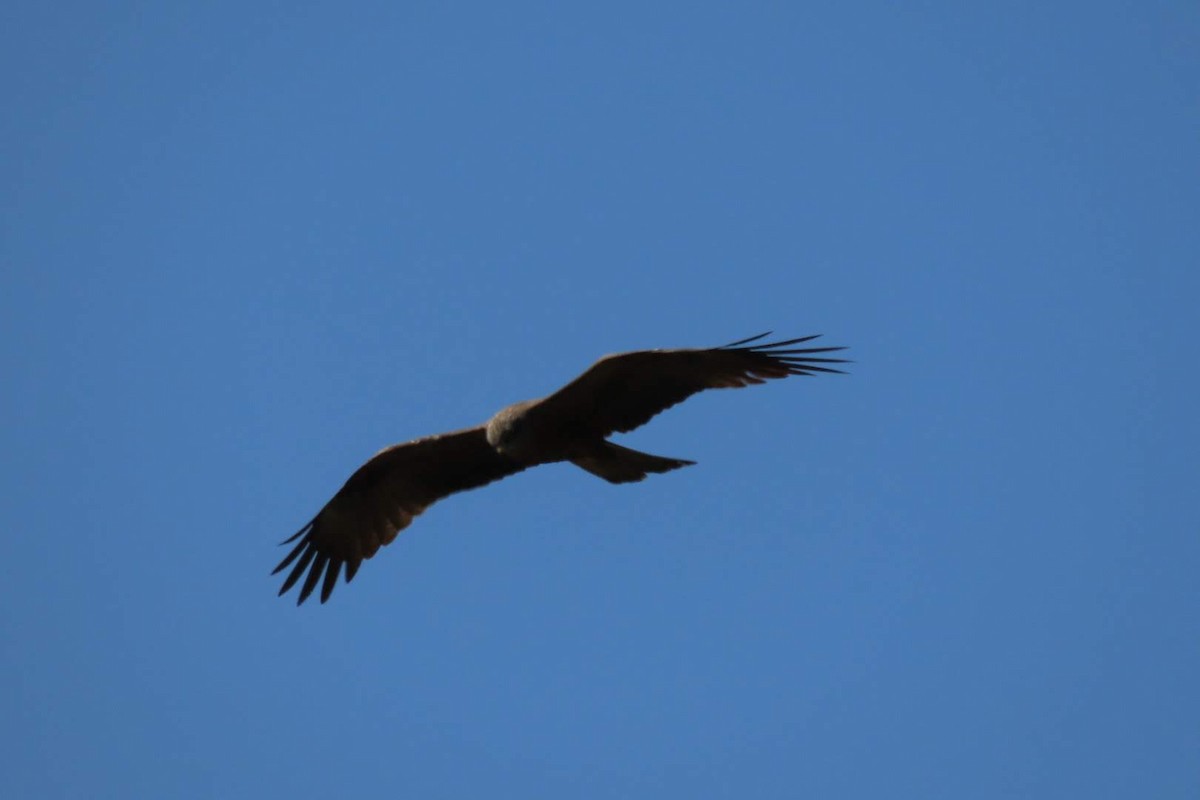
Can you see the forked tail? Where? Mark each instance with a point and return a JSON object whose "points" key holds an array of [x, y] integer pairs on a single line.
{"points": [[618, 464]]}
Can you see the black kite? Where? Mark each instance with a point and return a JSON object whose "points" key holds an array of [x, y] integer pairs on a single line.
{"points": [[615, 395]]}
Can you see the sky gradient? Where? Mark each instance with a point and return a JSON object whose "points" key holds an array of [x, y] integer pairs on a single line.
{"points": [[244, 246]]}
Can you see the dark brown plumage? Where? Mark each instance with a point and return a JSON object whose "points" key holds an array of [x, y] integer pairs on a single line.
{"points": [[616, 394]]}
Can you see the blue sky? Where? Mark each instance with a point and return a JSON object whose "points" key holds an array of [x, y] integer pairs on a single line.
{"points": [[243, 246]]}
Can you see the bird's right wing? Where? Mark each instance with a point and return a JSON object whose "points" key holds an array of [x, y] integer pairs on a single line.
{"points": [[381, 498], [622, 392]]}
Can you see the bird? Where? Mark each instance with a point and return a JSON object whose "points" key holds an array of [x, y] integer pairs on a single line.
{"points": [[617, 394]]}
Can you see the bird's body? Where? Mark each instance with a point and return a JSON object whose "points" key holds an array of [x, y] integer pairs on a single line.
{"points": [[617, 394], [531, 433]]}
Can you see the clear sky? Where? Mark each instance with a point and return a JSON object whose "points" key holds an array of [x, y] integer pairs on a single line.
{"points": [[245, 245]]}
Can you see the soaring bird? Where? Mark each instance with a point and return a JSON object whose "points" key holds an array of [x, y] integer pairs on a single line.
{"points": [[616, 394]]}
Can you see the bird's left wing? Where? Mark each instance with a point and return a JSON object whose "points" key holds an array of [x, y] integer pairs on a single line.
{"points": [[381, 498]]}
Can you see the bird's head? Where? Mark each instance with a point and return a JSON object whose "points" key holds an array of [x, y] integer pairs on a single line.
{"points": [[508, 430]]}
